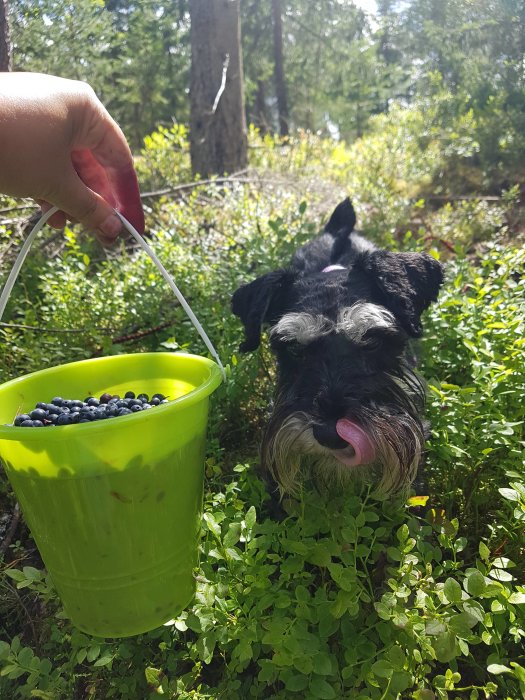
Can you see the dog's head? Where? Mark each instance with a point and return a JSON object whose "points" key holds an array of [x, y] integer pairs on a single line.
{"points": [[347, 395]]}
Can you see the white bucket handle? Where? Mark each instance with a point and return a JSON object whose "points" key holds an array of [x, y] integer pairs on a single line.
{"points": [[8, 287]]}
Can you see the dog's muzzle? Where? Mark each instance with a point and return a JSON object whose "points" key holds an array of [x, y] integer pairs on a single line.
{"points": [[389, 445]]}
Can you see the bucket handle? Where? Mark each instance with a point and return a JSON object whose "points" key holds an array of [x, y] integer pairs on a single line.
{"points": [[8, 287]]}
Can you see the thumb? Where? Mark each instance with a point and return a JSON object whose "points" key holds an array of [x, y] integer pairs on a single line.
{"points": [[82, 204]]}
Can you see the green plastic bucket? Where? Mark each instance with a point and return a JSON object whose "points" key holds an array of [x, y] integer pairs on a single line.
{"points": [[114, 506]]}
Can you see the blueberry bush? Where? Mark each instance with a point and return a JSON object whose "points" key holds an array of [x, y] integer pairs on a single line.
{"points": [[340, 595]]}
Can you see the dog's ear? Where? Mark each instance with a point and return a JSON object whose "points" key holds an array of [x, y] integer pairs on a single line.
{"points": [[343, 218], [406, 283], [258, 303]]}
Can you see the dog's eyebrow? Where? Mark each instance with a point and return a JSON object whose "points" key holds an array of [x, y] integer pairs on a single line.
{"points": [[302, 327], [355, 321]]}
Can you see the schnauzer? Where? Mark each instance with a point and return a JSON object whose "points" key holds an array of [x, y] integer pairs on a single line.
{"points": [[341, 316]]}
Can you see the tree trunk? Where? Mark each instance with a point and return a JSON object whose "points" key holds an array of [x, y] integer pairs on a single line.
{"points": [[260, 111], [218, 142], [280, 84], [5, 38]]}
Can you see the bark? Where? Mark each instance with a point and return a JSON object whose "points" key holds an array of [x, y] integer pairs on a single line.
{"points": [[260, 112], [218, 141], [5, 37], [280, 83]]}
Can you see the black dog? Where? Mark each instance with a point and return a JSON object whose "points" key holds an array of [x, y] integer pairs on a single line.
{"points": [[341, 316]]}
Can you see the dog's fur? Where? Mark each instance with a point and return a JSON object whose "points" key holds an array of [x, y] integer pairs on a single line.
{"points": [[341, 316]]}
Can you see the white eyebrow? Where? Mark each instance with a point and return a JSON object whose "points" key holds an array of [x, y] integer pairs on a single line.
{"points": [[302, 327], [355, 321]]}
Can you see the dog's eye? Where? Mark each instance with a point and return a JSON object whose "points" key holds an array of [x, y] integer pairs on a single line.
{"points": [[372, 344], [295, 349]]}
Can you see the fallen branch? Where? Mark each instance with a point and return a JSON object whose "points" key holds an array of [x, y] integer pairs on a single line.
{"points": [[192, 185], [39, 329], [142, 334], [460, 197]]}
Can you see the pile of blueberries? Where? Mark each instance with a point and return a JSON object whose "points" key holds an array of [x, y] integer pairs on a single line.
{"points": [[68, 411]]}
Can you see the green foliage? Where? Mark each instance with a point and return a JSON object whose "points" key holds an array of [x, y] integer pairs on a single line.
{"points": [[346, 596]]}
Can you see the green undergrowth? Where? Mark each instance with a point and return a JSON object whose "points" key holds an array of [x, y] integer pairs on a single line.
{"points": [[341, 595]]}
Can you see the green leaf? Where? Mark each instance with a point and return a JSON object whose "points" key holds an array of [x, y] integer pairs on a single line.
{"points": [[445, 647], [475, 583], [31, 573], [213, 525], [510, 494], [233, 534], [462, 624], [382, 669], [500, 575], [519, 671], [452, 590], [104, 660], [250, 517], [322, 664], [153, 676], [435, 627], [517, 598], [296, 682], [25, 656], [496, 669], [93, 653], [474, 609], [484, 551], [321, 689]]}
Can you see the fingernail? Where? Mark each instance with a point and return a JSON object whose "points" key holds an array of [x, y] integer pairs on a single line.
{"points": [[111, 227]]}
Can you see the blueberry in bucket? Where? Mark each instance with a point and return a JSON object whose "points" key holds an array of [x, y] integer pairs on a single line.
{"points": [[69, 411]]}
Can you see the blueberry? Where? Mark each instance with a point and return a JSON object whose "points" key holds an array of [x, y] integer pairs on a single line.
{"points": [[40, 404], [135, 408], [92, 401], [76, 404], [155, 401], [57, 401], [143, 397], [37, 424], [105, 398], [123, 403], [164, 401], [124, 412], [51, 408], [160, 397], [38, 414], [64, 419], [21, 418], [146, 405], [99, 414], [27, 423], [129, 395]]}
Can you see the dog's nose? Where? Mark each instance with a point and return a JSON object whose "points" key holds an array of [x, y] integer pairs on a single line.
{"points": [[326, 435]]}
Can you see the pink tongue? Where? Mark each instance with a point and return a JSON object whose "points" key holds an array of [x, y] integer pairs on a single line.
{"points": [[358, 439]]}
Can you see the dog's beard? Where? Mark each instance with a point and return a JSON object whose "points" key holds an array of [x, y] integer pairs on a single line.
{"points": [[289, 448]]}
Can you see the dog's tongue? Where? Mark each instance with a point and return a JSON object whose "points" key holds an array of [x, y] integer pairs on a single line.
{"points": [[358, 439]]}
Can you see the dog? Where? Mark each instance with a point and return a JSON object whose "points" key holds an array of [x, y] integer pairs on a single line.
{"points": [[341, 317]]}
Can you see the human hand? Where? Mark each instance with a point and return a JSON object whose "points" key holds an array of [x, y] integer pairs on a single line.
{"points": [[60, 146]]}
